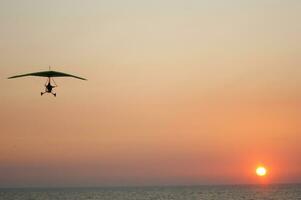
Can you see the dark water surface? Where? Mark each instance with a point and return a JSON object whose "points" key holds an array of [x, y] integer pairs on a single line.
{"points": [[243, 192]]}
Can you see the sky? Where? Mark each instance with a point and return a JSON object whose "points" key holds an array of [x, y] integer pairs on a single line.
{"points": [[178, 92]]}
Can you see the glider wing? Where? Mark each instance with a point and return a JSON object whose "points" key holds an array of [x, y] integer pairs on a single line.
{"points": [[48, 74]]}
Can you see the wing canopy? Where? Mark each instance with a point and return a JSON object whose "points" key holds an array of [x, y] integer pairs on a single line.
{"points": [[48, 74]]}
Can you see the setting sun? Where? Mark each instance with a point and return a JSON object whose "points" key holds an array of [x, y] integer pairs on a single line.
{"points": [[261, 171]]}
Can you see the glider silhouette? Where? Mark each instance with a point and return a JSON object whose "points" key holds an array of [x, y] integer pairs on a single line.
{"points": [[49, 74]]}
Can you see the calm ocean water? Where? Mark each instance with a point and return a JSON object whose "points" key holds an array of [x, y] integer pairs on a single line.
{"points": [[266, 192]]}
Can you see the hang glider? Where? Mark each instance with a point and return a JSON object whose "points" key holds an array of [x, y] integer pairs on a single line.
{"points": [[49, 74]]}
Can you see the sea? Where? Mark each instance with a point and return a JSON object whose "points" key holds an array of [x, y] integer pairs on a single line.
{"points": [[231, 192]]}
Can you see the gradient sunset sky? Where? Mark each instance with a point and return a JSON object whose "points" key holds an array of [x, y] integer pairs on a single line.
{"points": [[179, 92]]}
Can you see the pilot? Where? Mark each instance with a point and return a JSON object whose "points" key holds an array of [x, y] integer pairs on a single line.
{"points": [[49, 87]]}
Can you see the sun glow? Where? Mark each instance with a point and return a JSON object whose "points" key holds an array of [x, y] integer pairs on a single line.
{"points": [[261, 171]]}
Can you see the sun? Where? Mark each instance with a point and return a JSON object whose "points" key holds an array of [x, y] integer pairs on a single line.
{"points": [[261, 171]]}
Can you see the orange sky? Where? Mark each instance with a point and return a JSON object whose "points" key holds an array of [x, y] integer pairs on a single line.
{"points": [[178, 93]]}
